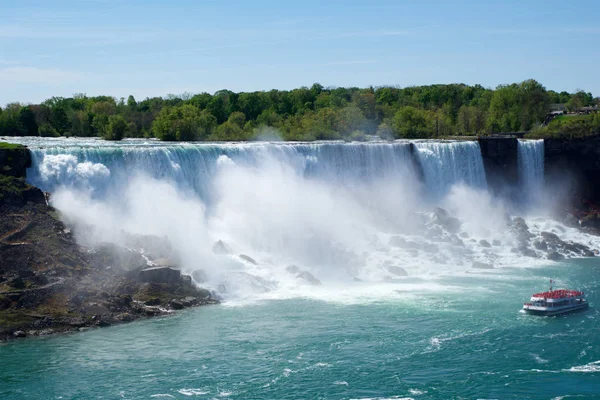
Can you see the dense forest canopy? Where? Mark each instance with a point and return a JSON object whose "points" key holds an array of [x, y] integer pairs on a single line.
{"points": [[315, 113]]}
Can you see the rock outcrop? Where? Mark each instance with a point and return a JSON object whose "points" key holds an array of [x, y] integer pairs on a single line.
{"points": [[49, 284]]}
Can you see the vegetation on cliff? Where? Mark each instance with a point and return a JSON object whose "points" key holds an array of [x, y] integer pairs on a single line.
{"points": [[568, 127], [300, 114]]}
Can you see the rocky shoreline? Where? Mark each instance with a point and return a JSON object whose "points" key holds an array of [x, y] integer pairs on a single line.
{"points": [[50, 284]]}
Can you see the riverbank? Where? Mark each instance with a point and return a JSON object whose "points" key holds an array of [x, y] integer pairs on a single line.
{"points": [[50, 284]]}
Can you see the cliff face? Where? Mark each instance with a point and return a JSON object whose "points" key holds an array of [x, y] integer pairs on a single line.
{"points": [[14, 160], [575, 162], [500, 163], [48, 283]]}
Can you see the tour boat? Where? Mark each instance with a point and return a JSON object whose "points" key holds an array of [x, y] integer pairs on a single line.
{"points": [[554, 302]]}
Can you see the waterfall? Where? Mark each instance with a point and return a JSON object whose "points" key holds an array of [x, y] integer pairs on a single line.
{"points": [[101, 166], [531, 169], [445, 164]]}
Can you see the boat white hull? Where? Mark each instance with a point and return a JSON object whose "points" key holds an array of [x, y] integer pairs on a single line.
{"points": [[555, 310]]}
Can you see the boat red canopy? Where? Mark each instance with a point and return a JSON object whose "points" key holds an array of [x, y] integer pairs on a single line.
{"points": [[559, 294]]}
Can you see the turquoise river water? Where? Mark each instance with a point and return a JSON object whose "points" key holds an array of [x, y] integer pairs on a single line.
{"points": [[465, 341]]}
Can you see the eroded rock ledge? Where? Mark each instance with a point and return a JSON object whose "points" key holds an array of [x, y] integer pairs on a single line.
{"points": [[49, 284]]}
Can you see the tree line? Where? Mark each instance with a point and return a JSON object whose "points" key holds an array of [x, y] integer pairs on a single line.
{"points": [[315, 113]]}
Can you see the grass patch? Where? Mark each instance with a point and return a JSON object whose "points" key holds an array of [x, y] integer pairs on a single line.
{"points": [[568, 118], [10, 146]]}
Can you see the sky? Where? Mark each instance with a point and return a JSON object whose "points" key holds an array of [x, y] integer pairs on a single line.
{"points": [[154, 48]]}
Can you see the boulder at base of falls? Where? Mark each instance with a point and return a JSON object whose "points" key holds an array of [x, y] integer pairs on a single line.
{"points": [[160, 275], [442, 219], [484, 243], [199, 276], [248, 258], [540, 245], [521, 230], [481, 265], [555, 256], [309, 278], [293, 269], [398, 271], [456, 241], [551, 238], [221, 248], [496, 242], [526, 251]]}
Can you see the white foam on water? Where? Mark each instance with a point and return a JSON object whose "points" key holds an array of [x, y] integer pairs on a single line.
{"points": [[590, 367], [193, 392]]}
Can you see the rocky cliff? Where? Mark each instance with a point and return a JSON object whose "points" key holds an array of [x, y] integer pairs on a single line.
{"points": [[48, 283], [575, 162], [500, 163]]}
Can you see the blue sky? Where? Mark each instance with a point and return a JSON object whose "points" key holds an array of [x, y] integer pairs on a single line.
{"points": [[154, 48]]}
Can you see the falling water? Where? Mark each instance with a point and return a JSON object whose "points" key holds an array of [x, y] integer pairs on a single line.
{"points": [[531, 169]]}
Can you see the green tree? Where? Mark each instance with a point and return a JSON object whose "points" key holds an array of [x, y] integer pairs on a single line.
{"points": [[28, 122], [117, 128], [411, 122], [60, 120], [184, 122], [46, 130]]}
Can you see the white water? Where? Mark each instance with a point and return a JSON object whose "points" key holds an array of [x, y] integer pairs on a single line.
{"points": [[330, 208], [531, 169]]}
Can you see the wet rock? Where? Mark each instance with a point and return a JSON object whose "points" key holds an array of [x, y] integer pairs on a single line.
{"points": [[155, 301], [4, 303], [19, 334], [456, 241], [116, 258], [221, 248], [187, 279], [540, 245], [484, 243], [521, 230], [189, 301], [526, 251], [176, 305], [481, 265], [308, 277], [248, 258], [550, 237], [199, 276], [554, 256], [398, 271], [496, 242], [464, 235], [17, 283], [160, 275], [77, 322], [520, 224], [293, 269], [442, 219]]}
